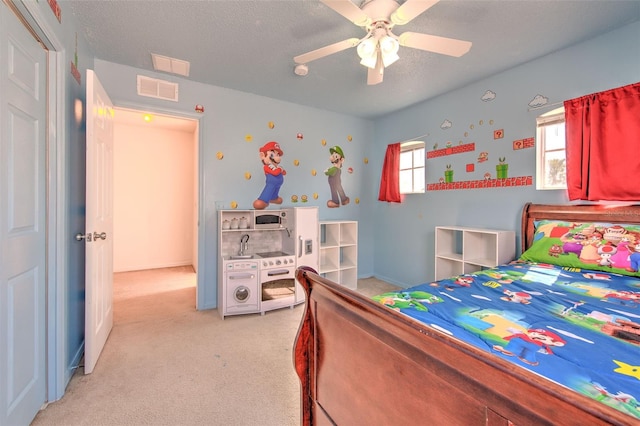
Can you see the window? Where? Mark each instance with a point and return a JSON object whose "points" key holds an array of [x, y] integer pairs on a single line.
{"points": [[551, 163], [412, 167]]}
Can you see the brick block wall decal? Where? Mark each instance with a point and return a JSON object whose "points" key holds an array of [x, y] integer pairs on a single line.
{"points": [[523, 143], [482, 184], [458, 149]]}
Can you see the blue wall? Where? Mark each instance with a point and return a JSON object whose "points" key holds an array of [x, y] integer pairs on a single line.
{"points": [[404, 239], [230, 116]]}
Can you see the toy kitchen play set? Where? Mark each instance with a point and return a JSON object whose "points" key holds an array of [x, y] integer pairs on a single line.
{"points": [[259, 253]]}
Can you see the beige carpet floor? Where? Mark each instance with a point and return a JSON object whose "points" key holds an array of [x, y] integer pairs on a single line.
{"points": [[165, 363]]}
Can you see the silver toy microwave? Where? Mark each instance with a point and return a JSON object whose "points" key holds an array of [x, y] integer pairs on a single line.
{"points": [[272, 219]]}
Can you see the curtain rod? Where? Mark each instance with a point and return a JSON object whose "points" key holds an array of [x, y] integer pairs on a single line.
{"points": [[413, 139]]}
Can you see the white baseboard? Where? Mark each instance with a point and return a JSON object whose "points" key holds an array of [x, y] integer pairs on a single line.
{"points": [[142, 267]]}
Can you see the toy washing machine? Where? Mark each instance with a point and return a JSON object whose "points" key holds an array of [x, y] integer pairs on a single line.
{"points": [[241, 294]]}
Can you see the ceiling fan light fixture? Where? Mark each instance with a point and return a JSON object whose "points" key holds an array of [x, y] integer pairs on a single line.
{"points": [[389, 45], [379, 47], [389, 59], [369, 62], [389, 50], [367, 48], [368, 52]]}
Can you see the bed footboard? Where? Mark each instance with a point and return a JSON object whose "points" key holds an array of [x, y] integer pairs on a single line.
{"points": [[360, 362]]}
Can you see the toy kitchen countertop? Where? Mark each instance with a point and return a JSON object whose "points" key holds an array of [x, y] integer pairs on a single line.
{"points": [[275, 257]]}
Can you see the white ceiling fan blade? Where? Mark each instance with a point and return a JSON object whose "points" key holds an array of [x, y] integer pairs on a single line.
{"points": [[374, 75], [349, 10], [326, 51], [431, 43], [410, 9]]}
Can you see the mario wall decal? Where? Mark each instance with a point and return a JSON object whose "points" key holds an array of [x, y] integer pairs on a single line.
{"points": [[270, 154], [335, 181]]}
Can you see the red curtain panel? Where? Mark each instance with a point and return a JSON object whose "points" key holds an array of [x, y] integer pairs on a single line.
{"points": [[389, 181], [603, 145]]}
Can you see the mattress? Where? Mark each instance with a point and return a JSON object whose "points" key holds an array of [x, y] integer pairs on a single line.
{"points": [[579, 328]]}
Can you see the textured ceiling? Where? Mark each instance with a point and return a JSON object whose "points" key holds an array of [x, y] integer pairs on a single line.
{"points": [[249, 45]]}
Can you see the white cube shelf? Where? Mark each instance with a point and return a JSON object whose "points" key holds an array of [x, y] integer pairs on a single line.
{"points": [[461, 250], [339, 252]]}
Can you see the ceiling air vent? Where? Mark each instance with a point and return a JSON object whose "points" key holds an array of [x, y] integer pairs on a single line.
{"points": [[159, 89], [172, 65]]}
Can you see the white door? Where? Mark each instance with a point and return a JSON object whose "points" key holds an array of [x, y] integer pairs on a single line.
{"points": [[22, 221], [99, 225]]}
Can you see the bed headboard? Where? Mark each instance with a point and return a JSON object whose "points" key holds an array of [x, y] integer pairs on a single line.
{"points": [[574, 213]]}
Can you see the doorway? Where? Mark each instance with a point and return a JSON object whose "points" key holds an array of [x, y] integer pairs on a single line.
{"points": [[155, 193]]}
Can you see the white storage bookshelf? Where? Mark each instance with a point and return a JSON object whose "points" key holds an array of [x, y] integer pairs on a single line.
{"points": [[461, 250], [339, 252]]}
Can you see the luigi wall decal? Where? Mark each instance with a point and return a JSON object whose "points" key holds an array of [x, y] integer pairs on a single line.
{"points": [[335, 181], [270, 154]]}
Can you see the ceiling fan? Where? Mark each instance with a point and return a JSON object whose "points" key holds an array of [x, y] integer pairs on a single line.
{"points": [[379, 47]]}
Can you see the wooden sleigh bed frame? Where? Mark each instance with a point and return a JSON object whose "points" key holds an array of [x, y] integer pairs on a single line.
{"points": [[362, 363]]}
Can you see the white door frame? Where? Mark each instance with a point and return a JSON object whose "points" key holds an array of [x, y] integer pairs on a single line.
{"points": [[199, 149], [57, 377]]}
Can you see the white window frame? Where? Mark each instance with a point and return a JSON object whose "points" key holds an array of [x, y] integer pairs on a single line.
{"points": [[547, 119], [414, 146]]}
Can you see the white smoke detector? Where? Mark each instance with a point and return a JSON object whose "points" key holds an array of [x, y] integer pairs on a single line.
{"points": [[301, 70]]}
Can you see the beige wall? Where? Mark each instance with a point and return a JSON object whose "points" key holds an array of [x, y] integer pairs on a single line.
{"points": [[154, 197]]}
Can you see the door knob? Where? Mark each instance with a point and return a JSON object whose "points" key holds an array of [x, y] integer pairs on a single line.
{"points": [[80, 237]]}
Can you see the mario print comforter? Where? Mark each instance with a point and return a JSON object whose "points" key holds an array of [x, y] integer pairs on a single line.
{"points": [[579, 328]]}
